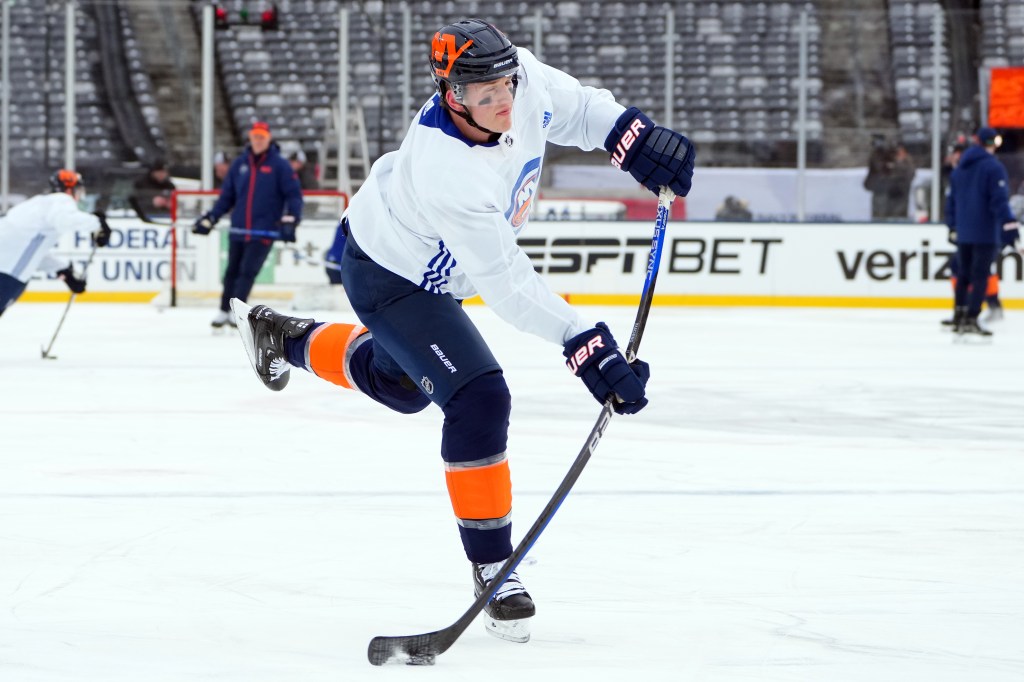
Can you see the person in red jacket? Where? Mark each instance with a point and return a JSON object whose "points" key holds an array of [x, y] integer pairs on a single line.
{"points": [[263, 194]]}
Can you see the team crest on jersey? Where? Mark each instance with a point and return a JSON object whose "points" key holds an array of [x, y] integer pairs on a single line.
{"points": [[427, 385], [523, 193]]}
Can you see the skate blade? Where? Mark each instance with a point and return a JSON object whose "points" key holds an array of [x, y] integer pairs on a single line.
{"points": [[241, 312], [509, 630], [972, 340]]}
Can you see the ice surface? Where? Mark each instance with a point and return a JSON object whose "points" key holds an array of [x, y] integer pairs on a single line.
{"points": [[813, 495]]}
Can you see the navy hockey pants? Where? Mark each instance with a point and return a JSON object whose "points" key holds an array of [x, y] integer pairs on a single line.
{"points": [[10, 290], [430, 339], [975, 266]]}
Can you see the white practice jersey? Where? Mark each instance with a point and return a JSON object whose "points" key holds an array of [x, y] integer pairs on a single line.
{"points": [[33, 227], [444, 212]]}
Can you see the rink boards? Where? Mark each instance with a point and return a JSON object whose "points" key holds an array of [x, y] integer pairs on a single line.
{"points": [[599, 262]]}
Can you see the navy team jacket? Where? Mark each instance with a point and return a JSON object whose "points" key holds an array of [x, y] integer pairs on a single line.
{"points": [[257, 190], [978, 202]]}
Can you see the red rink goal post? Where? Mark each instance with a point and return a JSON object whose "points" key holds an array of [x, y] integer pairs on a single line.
{"points": [[292, 270]]}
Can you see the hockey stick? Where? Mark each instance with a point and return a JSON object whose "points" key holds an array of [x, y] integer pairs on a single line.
{"points": [[423, 649], [85, 271], [299, 256], [264, 233]]}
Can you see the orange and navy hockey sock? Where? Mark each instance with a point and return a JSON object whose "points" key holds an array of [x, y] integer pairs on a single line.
{"points": [[325, 350], [343, 354], [474, 448]]}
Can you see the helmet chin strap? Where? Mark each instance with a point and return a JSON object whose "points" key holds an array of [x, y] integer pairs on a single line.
{"points": [[468, 118]]}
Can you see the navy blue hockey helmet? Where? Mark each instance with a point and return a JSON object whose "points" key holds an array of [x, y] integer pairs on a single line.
{"points": [[471, 51]]}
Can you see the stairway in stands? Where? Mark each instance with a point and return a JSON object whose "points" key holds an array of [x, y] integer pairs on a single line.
{"points": [[174, 61]]}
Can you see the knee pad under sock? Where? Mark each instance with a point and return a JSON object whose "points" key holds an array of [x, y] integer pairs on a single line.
{"points": [[473, 447]]}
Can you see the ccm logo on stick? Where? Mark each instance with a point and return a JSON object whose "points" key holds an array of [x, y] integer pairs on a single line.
{"points": [[626, 141], [583, 353]]}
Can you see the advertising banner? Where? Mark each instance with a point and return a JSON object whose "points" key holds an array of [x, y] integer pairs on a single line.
{"points": [[847, 264]]}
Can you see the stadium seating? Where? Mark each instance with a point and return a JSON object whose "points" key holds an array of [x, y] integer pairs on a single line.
{"points": [[911, 31], [37, 92], [1002, 41], [736, 63]]}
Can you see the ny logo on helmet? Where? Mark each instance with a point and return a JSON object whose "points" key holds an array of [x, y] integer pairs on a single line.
{"points": [[445, 52]]}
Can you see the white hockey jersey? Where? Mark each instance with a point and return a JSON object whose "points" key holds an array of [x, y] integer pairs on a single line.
{"points": [[33, 227], [444, 212]]}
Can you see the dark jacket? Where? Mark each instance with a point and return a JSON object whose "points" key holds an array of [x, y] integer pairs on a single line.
{"points": [[259, 189], [978, 201]]}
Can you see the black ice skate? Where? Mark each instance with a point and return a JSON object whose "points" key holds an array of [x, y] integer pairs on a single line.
{"points": [[959, 313], [969, 331], [263, 332], [509, 610]]}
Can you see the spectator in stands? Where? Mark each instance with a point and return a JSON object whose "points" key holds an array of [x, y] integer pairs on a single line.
{"points": [[734, 210], [221, 164], [302, 169], [879, 176], [903, 170], [262, 192], [890, 175], [152, 195]]}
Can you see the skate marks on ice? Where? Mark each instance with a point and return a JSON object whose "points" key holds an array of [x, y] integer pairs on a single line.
{"points": [[810, 495]]}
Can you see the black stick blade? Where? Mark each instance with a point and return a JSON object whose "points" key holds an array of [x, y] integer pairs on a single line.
{"points": [[411, 649]]}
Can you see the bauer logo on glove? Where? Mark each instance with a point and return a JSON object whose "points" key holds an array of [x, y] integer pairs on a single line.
{"points": [[595, 358]]}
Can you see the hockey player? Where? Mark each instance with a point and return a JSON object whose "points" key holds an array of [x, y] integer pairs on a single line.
{"points": [[32, 228], [978, 212], [263, 194], [435, 223]]}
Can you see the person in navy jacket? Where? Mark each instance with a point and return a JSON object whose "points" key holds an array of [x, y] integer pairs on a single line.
{"points": [[978, 214], [263, 194]]}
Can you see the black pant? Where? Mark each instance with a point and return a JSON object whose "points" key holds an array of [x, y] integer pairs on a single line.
{"points": [[975, 267], [245, 258]]}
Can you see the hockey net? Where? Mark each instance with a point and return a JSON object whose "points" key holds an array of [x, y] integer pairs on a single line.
{"points": [[293, 274]]}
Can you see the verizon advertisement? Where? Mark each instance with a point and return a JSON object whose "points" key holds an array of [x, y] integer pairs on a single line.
{"points": [[792, 261]]}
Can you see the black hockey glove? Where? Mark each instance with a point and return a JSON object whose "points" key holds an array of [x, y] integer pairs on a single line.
{"points": [[287, 230], [101, 237], [654, 155], [203, 224], [594, 357], [68, 275]]}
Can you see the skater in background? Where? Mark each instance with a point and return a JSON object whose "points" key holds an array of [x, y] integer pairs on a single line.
{"points": [[32, 228], [980, 221], [995, 309], [263, 194], [436, 223]]}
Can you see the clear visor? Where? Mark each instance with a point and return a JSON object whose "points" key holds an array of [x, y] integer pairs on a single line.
{"points": [[496, 93]]}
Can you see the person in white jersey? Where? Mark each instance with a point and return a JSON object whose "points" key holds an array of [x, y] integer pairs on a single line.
{"points": [[435, 223], [32, 228]]}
